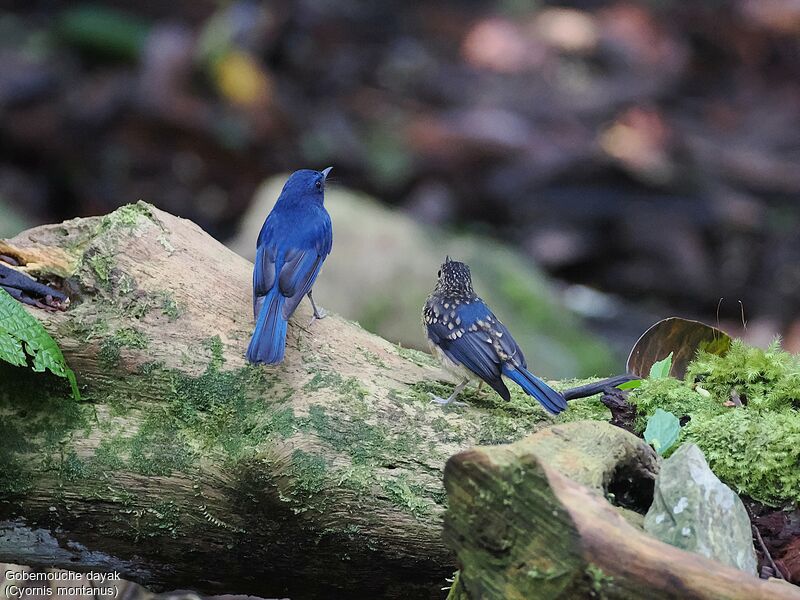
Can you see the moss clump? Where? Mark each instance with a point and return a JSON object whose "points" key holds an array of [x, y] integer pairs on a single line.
{"points": [[170, 307], [214, 346], [33, 431], [71, 467], [309, 477], [217, 412], [599, 581], [157, 448], [764, 379], [756, 452], [362, 442], [585, 409], [127, 216], [674, 396], [408, 496], [101, 265], [349, 388], [754, 448], [127, 337]]}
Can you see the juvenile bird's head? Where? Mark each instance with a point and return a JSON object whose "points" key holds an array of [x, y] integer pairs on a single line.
{"points": [[455, 279], [304, 186]]}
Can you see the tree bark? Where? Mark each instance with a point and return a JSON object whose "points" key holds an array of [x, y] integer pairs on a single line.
{"points": [[185, 467], [530, 520]]}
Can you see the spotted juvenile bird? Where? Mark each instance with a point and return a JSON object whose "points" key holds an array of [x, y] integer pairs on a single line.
{"points": [[470, 341], [293, 243]]}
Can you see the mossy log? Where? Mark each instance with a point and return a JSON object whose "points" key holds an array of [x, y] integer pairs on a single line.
{"points": [[185, 467], [532, 520]]}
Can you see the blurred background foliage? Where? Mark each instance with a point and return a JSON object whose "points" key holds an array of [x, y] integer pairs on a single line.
{"points": [[601, 164]]}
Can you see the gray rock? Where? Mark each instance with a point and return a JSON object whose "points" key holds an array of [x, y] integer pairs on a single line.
{"points": [[11, 222], [384, 265], [694, 510]]}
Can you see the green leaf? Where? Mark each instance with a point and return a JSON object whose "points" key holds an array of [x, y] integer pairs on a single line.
{"points": [[630, 385], [21, 335], [661, 368], [663, 429]]}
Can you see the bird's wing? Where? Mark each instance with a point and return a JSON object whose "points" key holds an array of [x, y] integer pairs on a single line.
{"points": [[299, 270], [263, 275], [504, 343], [301, 265], [292, 261], [463, 342]]}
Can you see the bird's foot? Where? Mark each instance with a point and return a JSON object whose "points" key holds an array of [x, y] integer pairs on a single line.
{"points": [[445, 402], [319, 314]]}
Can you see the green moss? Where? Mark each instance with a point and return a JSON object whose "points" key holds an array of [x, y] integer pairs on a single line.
{"points": [[754, 448], [160, 520], [130, 337], [101, 265], [764, 379], [127, 216], [138, 306], [109, 354], [372, 358], [359, 478], [281, 422], [71, 467], [585, 409], [150, 367], [170, 307], [349, 388], [671, 395], [16, 478], [217, 410], [599, 581], [362, 442], [33, 432], [109, 455], [157, 448], [419, 358], [757, 453], [309, 478], [214, 346], [127, 337], [407, 495]]}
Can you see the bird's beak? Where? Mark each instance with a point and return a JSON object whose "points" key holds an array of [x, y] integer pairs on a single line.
{"points": [[325, 173]]}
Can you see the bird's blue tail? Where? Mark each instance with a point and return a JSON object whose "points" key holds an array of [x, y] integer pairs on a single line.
{"points": [[533, 386], [269, 338]]}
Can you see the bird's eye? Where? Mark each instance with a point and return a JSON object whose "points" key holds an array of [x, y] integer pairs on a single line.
{"points": [[439, 274], [318, 184]]}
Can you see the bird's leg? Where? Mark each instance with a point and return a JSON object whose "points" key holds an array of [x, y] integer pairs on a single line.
{"points": [[318, 313], [452, 399]]}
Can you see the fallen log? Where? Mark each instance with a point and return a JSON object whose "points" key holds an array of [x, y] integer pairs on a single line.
{"points": [[532, 520], [185, 467]]}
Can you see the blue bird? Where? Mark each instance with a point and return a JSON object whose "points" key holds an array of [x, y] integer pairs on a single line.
{"points": [[471, 342], [293, 243]]}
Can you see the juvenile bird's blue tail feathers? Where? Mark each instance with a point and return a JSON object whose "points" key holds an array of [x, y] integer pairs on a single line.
{"points": [[269, 338], [533, 386]]}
